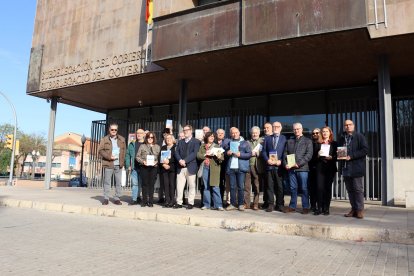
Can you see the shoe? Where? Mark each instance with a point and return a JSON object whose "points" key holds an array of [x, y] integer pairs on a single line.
{"points": [[134, 202], [204, 208], [289, 210], [360, 214], [220, 209], [161, 201], [305, 211], [241, 208], [139, 200], [316, 212], [326, 213], [143, 204], [117, 202], [351, 213], [150, 205], [105, 202], [270, 208], [189, 206], [177, 206], [230, 208], [264, 206], [279, 208], [246, 206], [255, 208]]}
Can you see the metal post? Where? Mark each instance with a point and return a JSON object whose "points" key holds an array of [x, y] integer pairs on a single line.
{"points": [[387, 142], [83, 140], [10, 182], [182, 106], [50, 140]]}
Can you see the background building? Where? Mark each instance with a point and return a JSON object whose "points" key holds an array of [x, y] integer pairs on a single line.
{"points": [[238, 63]]}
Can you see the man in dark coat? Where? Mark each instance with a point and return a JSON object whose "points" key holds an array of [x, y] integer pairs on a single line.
{"points": [[353, 167]]}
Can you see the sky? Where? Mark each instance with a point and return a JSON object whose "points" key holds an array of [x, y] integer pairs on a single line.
{"points": [[17, 24]]}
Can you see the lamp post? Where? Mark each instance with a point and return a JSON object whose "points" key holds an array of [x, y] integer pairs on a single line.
{"points": [[83, 140], [35, 156]]}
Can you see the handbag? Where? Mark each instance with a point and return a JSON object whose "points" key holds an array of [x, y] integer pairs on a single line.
{"points": [[200, 170], [123, 177]]}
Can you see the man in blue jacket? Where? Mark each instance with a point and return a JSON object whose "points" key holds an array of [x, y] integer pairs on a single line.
{"points": [[273, 154], [353, 167], [186, 155], [239, 153], [132, 165]]}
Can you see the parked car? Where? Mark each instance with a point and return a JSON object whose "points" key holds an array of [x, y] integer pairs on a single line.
{"points": [[75, 182]]}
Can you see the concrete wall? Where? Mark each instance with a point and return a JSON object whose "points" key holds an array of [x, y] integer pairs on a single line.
{"points": [[403, 178], [400, 17], [164, 7], [80, 41]]}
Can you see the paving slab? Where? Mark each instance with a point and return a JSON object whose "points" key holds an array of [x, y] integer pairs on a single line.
{"points": [[381, 224]]}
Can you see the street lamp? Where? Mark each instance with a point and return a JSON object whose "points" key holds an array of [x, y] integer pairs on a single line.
{"points": [[83, 140], [35, 156]]}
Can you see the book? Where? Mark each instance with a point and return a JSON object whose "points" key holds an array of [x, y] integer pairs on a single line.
{"points": [[165, 154], [258, 148], [199, 134], [150, 160], [216, 151], [115, 153], [234, 147], [324, 150], [273, 156], [291, 160], [131, 137], [169, 124], [342, 153]]}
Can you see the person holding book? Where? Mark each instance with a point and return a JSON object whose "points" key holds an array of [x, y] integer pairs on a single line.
{"points": [[211, 155], [112, 151], [273, 154], [168, 170], [223, 142], [354, 147], [147, 157], [298, 152], [325, 168], [239, 153], [186, 158], [132, 165]]}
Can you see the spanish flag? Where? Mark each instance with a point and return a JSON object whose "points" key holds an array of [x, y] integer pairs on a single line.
{"points": [[149, 12]]}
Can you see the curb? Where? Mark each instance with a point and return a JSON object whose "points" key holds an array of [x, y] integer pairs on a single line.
{"points": [[305, 230]]}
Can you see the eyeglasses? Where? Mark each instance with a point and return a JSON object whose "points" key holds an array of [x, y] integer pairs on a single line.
{"points": [[150, 137], [186, 129], [277, 126], [315, 133], [114, 130]]}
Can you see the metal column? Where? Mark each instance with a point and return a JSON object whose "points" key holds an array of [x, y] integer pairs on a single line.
{"points": [[182, 107], [50, 140], [387, 151]]}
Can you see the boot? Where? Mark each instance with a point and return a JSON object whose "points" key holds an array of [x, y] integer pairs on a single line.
{"points": [[350, 214], [360, 214]]}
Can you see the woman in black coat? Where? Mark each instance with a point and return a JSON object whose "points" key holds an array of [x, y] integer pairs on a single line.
{"points": [[325, 170], [167, 170]]}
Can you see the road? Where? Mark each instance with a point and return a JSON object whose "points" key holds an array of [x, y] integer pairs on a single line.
{"points": [[36, 242]]}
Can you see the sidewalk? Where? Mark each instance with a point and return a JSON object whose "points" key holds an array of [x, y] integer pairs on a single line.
{"points": [[381, 224]]}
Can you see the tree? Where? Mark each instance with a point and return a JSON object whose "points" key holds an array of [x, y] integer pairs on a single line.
{"points": [[28, 143]]}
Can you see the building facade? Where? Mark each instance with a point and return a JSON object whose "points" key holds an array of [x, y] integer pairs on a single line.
{"points": [[238, 63]]}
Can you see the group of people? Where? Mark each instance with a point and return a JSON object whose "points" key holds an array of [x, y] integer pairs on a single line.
{"points": [[222, 165]]}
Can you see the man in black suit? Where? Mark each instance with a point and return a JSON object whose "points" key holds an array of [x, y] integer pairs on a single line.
{"points": [[274, 145], [186, 155]]}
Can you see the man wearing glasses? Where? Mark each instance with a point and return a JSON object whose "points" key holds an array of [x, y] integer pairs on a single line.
{"points": [[301, 149], [186, 154], [112, 149], [132, 165], [273, 154]]}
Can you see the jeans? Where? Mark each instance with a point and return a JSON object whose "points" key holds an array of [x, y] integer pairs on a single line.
{"points": [[206, 192], [135, 179], [108, 172], [237, 182], [295, 179]]}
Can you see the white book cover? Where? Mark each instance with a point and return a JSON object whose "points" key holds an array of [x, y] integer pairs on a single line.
{"points": [[150, 160], [324, 150]]}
